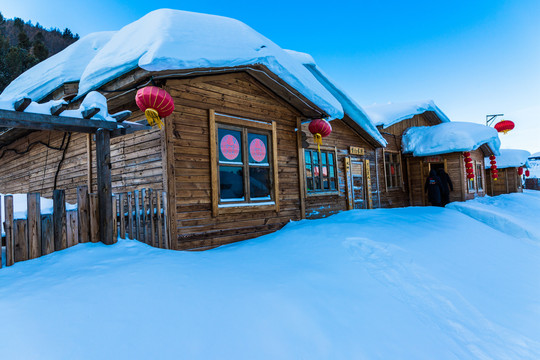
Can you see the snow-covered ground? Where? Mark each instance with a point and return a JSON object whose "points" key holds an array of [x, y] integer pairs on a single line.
{"points": [[409, 283]]}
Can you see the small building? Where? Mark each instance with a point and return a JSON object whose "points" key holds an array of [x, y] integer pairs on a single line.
{"points": [[509, 179], [442, 147], [231, 158], [533, 181]]}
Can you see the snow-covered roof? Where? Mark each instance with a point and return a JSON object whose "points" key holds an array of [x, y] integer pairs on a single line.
{"points": [[510, 158], [449, 137], [386, 115], [535, 156], [351, 108], [92, 100], [168, 39], [63, 67]]}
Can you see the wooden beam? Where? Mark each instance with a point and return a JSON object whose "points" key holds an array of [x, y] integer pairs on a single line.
{"points": [[59, 220], [34, 121], [213, 161], [22, 104], [301, 168], [56, 110], [88, 113], [121, 116], [89, 162], [104, 190]]}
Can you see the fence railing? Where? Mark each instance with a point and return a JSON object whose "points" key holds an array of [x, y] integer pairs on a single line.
{"points": [[137, 215], [142, 215]]}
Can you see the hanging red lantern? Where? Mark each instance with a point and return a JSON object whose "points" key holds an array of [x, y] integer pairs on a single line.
{"points": [[527, 173], [492, 162], [492, 157], [468, 160], [469, 170], [319, 128], [520, 171], [504, 126], [467, 154], [469, 165], [156, 104], [493, 167], [470, 177]]}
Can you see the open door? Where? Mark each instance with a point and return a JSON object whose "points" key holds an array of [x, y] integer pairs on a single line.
{"points": [[355, 184]]}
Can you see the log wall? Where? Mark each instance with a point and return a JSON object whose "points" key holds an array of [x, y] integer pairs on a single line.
{"points": [[239, 95], [507, 182]]}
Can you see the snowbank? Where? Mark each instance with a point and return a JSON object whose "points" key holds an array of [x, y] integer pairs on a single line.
{"points": [[510, 158], [351, 108], [449, 137], [411, 283], [63, 67], [386, 115]]}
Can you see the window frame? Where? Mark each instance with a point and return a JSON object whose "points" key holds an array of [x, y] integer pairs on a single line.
{"points": [[471, 188], [322, 191], [399, 174], [479, 176], [245, 126]]}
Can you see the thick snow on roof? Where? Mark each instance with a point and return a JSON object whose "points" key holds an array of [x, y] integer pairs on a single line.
{"points": [[168, 39], [510, 158], [449, 137], [535, 155], [66, 66], [386, 115], [350, 107]]}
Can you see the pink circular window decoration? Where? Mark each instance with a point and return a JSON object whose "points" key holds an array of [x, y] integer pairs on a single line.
{"points": [[230, 148], [257, 150]]}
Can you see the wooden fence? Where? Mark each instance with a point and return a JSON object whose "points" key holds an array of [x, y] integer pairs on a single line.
{"points": [[139, 215]]}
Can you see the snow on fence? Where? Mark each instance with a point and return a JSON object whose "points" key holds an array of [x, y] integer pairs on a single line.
{"points": [[142, 216], [137, 215]]}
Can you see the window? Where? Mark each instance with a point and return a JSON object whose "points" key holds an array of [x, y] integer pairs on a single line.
{"points": [[479, 180], [320, 171], [392, 164], [244, 166]]}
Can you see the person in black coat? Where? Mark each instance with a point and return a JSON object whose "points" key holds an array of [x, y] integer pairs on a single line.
{"points": [[446, 186], [434, 188]]}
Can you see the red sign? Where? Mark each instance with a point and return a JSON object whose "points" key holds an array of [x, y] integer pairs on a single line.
{"points": [[316, 170], [324, 171], [230, 148], [257, 150]]}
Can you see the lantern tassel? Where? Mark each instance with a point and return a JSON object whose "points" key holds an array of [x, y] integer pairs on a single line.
{"points": [[153, 118], [318, 139]]}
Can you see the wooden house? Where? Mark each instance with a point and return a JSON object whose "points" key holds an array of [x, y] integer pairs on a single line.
{"points": [[231, 158], [439, 144], [508, 164]]}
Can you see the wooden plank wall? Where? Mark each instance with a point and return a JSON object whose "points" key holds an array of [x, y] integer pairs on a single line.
{"points": [[236, 94], [341, 138], [507, 182]]}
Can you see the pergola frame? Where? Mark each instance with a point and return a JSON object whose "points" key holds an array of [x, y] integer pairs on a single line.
{"points": [[104, 130]]}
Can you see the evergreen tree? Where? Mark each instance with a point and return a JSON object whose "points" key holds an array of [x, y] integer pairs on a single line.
{"points": [[24, 41], [40, 50], [19, 23]]}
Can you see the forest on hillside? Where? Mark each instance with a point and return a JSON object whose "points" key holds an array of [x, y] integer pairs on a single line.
{"points": [[23, 45]]}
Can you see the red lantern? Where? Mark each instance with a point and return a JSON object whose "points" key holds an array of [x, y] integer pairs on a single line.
{"points": [[468, 160], [156, 104], [520, 171], [493, 167], [504, 126], [319, 128], [470, 176], [527, 173], [495, 171], [492, 162]]}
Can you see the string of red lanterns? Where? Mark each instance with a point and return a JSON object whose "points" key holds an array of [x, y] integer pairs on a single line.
{"points": [[494, 171], [468, 165]]}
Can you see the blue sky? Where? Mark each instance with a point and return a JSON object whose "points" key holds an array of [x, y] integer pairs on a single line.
{"points": [[471, 57]]}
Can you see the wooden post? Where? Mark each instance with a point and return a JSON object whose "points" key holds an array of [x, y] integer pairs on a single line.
{"points": [[115, 218], [8, 228], [169, 180], [144, 218], [166, 237], [152, 231], [21, 240], [301, 168], [137, 216], [83, 210], [129, 216], [158, 222], [103, 155], [72, 228], [34, 225], [59, 220], [47, 234], [94, 217], [1, 252], [89, 161], [367, 174], [122, 216]]}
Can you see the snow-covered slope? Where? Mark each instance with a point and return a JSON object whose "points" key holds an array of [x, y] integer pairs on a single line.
{"points": [[386, 115], [168, 39], [509, 158], [410, 283], [449, 137], [66, 66], [350, 106]]}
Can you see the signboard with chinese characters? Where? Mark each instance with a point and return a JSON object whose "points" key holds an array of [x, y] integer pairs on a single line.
{"points": [[433, 159], [354, 150]]}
